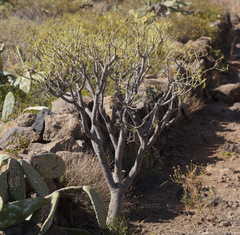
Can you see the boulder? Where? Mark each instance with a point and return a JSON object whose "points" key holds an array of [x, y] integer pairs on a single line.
{"points": [[65, 144], [26, 120], [71, 158], [202, 45], [59, 126], [39, 124], [228, 92], [234, 18], [60, 106], [235, 42], [108, 106], [235, 107], [15, 136], [7, 126]]}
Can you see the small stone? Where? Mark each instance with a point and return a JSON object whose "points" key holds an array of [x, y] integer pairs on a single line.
{"points": [[225, 223]]}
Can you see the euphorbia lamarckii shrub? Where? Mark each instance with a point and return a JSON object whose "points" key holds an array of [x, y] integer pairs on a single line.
{"points": [[113, 59]]}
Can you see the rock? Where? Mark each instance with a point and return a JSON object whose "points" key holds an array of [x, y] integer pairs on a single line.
{"points": [[7, 126], [39, 124], [26, 120], [234, 18], [234, 63], [108, 106], [60, 106], [71, 157], [59, 126], [235, 107], [235, 43], [159, 83], [225, 171], [203, 45], [65, 144], [216, 24], [225, 223], [13, 137], [228, 92], [231, 148]]}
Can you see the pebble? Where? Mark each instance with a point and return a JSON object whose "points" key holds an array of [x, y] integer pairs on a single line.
{"points": [[225, 223]]}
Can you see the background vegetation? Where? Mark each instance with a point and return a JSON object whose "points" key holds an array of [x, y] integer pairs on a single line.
{"points": [[22, 19]]}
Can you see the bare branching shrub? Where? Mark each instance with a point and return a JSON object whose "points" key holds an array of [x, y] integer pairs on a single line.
{"points": [[114, 59]]}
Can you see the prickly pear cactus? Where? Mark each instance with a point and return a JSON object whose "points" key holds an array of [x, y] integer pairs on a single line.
{"points": [[1, 49], [3, 159], [4, 186], [54, 202], [1, 204], [16, 212], [96, 200], [16, 181], [34, 178], [49, 165], [51, 201], [98, 206], [8, 106]]}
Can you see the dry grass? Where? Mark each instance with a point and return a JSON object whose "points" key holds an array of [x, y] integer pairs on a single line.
{"points": [[86, 170], [195, 193]]}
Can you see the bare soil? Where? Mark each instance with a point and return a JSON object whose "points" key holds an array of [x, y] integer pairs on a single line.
{"points": [[213, 131]]}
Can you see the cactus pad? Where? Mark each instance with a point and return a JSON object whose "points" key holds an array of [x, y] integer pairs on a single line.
{"points": [[3, 159], [1, 204], [34, 178], [96, 200], [49, 165], [16, 212], [4, 186], [54, 202], [16, 181], [98, 206], [8, 106]]}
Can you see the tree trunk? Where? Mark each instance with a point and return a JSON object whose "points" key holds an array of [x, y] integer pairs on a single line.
{"points": [[115, 206]]}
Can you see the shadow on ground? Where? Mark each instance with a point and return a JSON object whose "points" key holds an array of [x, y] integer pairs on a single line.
{"points": [[157, 197]]}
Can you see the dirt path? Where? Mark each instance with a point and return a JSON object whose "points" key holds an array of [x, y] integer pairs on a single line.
{"points": [[211, 137]]}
